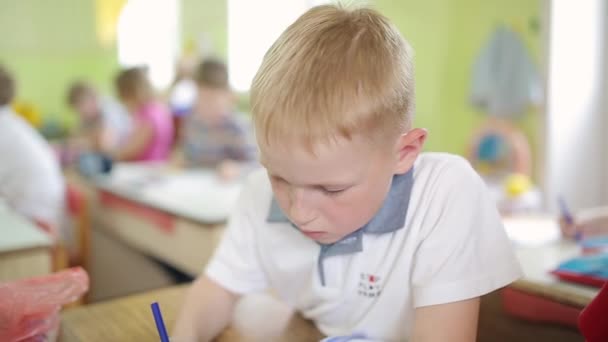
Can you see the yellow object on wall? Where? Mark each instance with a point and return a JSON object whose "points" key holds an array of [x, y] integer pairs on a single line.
{"points": [[29, 112], [517, 184], [107, 13]]}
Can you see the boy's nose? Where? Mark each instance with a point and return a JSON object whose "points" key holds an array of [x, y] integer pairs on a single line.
{"points": [[299, 211], [301, 223]]}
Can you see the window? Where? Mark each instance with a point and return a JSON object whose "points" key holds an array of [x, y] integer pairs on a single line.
{"points": [[252, 28], [148, 35], [576, 142]]}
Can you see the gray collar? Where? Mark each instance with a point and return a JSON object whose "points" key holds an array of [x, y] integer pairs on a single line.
{"points": [[389, 218]]}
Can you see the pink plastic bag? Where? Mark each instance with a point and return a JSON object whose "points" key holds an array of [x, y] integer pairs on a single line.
{"points": [[29, 309]]}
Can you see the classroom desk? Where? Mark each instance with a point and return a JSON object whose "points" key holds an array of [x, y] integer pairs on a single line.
{"points": [[539, 248], [257, 318], [130, 319], [539, 296], [537, 262], [539, 253], [25, 251], [175, 216]]}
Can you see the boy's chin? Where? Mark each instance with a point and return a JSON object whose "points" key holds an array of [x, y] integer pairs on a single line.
{"points": [[328, 239]]}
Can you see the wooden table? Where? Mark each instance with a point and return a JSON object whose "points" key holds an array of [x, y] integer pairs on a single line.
{"points": [[259, 318], [130, 319], [25, 251]]}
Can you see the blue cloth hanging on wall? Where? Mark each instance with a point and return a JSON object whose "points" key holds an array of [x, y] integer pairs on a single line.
{"points": [[505, 80]]}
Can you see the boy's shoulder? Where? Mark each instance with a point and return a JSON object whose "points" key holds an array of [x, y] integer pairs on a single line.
{"points": [[443, 180], [443, 165], [441, 176]]}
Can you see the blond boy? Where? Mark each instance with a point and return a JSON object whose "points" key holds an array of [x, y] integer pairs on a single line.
{"points": [[350, 224]]}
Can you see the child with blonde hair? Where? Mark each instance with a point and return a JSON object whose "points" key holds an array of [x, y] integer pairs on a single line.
{"points": [[152, 134], [350, 223]]}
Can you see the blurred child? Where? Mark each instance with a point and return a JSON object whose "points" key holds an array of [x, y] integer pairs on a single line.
{"points": [[213, 136], [152, 133], [181, 95], [182, 91], [105, 124], [30, 177], [350, 223]]}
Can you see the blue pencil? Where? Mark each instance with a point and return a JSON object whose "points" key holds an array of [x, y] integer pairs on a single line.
{"points": [[567, 216], [565, 212], [160, 325]]}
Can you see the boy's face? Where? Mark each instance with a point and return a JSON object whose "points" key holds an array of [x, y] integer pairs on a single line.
{"points": [[87, 107], [339, 188], [213, 103]]}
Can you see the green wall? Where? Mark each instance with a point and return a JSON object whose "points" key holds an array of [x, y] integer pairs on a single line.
{"points": [[49, 46], [447, 36], [50, 43], [208, 19]]}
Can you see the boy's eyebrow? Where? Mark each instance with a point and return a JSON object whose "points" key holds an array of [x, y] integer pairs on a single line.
{"points": [[318, 185]]}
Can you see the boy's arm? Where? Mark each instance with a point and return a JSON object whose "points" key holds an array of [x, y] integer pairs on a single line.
{"points": [[206, 311], [456, 322]]}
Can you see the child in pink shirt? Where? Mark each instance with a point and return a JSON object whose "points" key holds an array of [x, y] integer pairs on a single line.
{"points": [[152, 134]]}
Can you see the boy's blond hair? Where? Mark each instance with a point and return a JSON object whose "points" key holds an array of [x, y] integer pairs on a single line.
{"points": [[335, 72]]}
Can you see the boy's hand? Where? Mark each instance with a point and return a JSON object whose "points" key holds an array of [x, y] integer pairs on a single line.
{"points": [[593, 222], [205, 313], [569, 229]]}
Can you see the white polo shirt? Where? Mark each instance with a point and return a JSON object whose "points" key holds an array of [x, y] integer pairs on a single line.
{"points": [[30, 176], [450, 246]]}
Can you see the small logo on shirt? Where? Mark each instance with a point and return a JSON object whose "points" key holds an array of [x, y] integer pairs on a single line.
{"points": [[369, 285]]}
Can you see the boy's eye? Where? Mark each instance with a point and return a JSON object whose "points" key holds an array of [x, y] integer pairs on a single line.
{"points": [[332, 192]]}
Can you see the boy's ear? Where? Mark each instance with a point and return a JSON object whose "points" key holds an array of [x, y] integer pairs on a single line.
{"points": [[408, 147]]}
